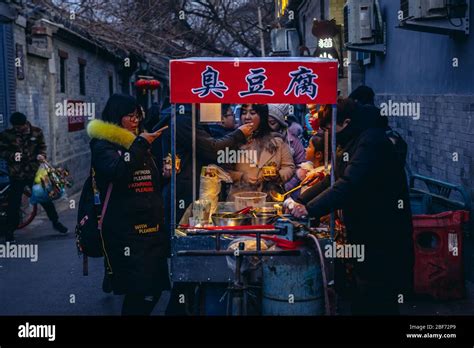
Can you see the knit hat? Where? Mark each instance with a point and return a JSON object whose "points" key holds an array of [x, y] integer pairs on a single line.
{"points": [[17, 119], [279, 112]]}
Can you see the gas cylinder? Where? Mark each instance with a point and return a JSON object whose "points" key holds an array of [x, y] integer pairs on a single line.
{"points": [[292, 285]]}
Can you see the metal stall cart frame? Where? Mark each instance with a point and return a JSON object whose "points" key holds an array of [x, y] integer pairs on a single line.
{"points": [[299, 80]]}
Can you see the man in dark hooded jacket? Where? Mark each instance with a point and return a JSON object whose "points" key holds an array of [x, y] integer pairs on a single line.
{"points": [[371, 190], [364, 95]]}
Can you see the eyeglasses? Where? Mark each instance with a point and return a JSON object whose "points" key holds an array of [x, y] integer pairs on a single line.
{"points": [[135, 115]]}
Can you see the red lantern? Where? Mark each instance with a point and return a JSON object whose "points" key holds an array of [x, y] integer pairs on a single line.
{"points": [[141, 83], [154, 84]]}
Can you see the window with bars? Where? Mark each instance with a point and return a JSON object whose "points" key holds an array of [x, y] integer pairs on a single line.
{"points": [[82, 76], [111, 84], [63, 56]]}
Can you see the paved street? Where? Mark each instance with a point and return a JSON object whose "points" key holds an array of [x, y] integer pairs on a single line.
{"points": [[45, 287], [443, 308]]}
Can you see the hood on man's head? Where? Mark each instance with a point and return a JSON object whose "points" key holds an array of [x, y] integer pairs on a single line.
{"points": [[118, 106], [363, 95], [365, 117]]}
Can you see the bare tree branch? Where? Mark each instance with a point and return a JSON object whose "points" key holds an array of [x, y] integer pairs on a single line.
{"points": [[169, 28]]}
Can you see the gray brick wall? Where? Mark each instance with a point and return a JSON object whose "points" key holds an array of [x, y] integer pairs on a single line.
{"points": [[38, 93], [72, 148], [32, 92], [446, 126]]}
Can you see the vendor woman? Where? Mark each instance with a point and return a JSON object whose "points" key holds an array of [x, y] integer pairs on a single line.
{"points": [[270, 163]]}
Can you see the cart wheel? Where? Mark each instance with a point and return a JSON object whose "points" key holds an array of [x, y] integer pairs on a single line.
{"points": [[27, 210]]}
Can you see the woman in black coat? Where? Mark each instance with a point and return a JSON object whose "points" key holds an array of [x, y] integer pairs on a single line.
{"points": [[134, 233], [372, 191]]}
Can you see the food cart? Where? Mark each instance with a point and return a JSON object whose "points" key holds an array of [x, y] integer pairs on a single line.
{"points": [[196, 249]]}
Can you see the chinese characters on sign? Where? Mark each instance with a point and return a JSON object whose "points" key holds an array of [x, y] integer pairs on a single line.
{"points": [[325, 31], [323, 45], [210, 84], [302, 82], [255, 81]]}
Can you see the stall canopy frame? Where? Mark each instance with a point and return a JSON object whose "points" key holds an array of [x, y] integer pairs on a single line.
{"points": [[288, 80]]}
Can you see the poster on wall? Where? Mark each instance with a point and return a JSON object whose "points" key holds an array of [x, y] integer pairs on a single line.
{"points": [[76, 115]]}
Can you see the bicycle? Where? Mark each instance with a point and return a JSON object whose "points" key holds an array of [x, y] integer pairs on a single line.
{"points": [[28, 211]]}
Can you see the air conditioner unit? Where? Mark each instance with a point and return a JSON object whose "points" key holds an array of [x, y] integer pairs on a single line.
{"points": [[359, 22], [427, 9], [285, 40]]}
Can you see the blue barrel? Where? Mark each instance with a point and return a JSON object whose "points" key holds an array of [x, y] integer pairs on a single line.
{"points": [[293, 285]]}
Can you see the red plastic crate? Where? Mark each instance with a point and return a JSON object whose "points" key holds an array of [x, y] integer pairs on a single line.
{"points": [[438, 241]]}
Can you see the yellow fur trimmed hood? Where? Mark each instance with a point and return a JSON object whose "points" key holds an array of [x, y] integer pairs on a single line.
{"points": [[97, 129]]}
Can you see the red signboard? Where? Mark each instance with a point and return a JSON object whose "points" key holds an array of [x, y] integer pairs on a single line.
{"points": [[291, 80], [75, 115]]}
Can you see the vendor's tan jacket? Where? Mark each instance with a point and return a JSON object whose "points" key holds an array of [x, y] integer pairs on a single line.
{"points": [[281, 157]]}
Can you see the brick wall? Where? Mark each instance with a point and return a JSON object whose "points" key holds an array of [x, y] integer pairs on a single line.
{"points": [[32, 92], [39, 92], [72, 148], [446, 126]]}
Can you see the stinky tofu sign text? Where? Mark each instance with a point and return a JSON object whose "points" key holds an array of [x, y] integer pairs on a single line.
{"points": [[240, 80]]}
